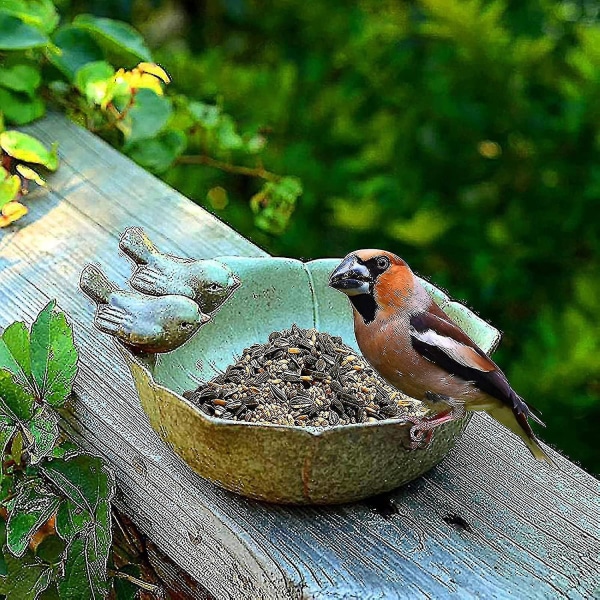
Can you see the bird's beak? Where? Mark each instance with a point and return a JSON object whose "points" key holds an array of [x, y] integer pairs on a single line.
{"points": [[204, 318], [351, 278], [236, 282]]}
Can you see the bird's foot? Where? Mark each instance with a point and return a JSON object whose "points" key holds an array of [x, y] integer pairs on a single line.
{"points": [[421, 432]]}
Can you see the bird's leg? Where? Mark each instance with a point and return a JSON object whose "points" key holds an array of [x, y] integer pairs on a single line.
{"points": [[422, 432]]}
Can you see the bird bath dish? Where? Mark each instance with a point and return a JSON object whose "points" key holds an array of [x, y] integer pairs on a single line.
{"points": [[282, 463]]}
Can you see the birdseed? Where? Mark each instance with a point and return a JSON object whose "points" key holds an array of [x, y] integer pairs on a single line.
{"points": [[305, 378]]}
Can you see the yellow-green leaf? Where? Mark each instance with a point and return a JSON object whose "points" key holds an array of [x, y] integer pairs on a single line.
{"points": [[9, 187], [26, 148], [30, 174]]}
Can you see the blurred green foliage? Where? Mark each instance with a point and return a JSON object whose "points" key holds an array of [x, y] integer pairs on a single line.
{"points": [[464, 135]]}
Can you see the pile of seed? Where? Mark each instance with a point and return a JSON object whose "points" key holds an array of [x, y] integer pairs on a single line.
{"points": [[302, 377]]}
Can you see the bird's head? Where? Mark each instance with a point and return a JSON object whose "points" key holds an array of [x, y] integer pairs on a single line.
{"points": [[373, 280]]}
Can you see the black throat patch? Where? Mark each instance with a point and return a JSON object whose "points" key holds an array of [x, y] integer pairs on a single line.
{"points": [[365, 305]]}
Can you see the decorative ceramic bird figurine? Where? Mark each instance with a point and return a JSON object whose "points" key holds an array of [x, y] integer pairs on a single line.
{"points": [[145, 323], [207, 282], [419, 349]]}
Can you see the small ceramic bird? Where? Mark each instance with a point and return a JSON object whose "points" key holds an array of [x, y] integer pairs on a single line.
{"points": [[419, 349], [207, 282], [145, 323]]}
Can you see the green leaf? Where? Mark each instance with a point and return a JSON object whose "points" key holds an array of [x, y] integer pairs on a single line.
{"points": [[40, 13], [207, 115], [53, 355], [71, 520], [17, 35], [9, 187], [50, 593], [16, 341], [77, 47], [117, 37], [21, 78], [19, 108], [93, 80], [85, 568], [50, 549], [26, 148], [26, 578], [227, 136], [159, 153], [34, 505], [44, 431], [65, 447], [16, 401], [7, 430], [148, 115], [82, 478], [3, 565]]}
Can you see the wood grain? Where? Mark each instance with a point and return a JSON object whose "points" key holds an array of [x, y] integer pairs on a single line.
{"points": [[487, 522]]}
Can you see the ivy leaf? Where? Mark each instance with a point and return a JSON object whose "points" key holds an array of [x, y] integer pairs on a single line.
{"points": [[71, 520], [26, 148], [34, 505], [40, 13], [43, 428], [82, 478], [19, 108], [159, 153], [94, 79], [26, 578], [16, 401], [77, 48], [148, 115], [16, 342], [85, 568], [117, 37], [21, 78], [17, 35], [53, 355]]}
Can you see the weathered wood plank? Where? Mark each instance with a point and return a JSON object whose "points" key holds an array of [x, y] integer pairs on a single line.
{"points": [[532, 532]]}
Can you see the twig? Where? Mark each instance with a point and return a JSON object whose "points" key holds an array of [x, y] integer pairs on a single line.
{"points": [[202, 159], [150, 587]]}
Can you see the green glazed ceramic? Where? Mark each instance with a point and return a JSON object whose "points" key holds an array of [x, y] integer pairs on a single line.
{"points": [[285, 464]]}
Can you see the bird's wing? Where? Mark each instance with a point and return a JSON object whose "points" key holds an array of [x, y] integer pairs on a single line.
{"points": [[442, 342]]}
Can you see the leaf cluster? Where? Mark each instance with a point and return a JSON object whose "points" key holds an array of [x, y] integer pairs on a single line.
{"points": [[100, 71], [55, 535]]}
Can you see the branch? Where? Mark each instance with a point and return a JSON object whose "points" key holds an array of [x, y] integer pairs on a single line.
{"points": [[202, 159]]}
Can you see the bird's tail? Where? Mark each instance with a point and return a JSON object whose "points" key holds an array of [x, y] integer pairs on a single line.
{"points": [[516, 422], [94, 283], [137, 245]]}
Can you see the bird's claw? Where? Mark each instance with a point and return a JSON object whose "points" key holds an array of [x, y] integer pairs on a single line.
{"points": [[419, 437]]}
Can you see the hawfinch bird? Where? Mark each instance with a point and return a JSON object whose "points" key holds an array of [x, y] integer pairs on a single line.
{"points": [[415, 346]]}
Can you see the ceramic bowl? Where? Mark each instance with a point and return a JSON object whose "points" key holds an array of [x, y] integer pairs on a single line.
{"points": [[285, 464]]}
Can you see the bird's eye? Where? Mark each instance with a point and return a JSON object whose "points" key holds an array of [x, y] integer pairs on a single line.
{"points": [[186, 325], [214, 287], [383, 262]]}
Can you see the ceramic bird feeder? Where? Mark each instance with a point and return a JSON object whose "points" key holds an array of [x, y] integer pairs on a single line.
{"points": [[277, 463]]}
